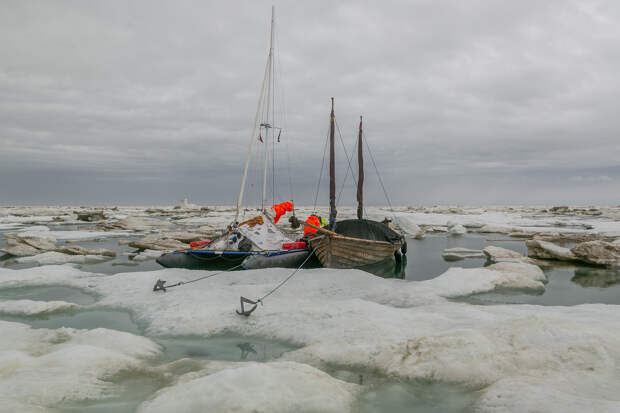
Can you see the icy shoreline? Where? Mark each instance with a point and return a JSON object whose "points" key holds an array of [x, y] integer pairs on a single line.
{"points": [[510, 357], [396, 328]]}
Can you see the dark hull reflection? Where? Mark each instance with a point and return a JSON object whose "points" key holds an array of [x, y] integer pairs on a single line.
{"points": [[389, 268]]}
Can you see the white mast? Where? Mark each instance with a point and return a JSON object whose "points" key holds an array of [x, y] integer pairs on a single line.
{"points": [[270, 125], [260, 99]]}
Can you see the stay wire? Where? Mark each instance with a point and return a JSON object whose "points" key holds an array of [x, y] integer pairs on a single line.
{"points": [[284, 114], [372, 158], [348, 161], [318, 185]]}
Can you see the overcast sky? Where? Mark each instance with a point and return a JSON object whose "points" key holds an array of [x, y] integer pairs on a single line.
{"points": [[465, 102]]}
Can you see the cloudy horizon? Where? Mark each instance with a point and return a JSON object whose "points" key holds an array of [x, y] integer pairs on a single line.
{"points": [[471, 103]]}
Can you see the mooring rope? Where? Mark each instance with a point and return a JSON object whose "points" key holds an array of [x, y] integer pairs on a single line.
{"points": [[160, 285], [260, 300]]}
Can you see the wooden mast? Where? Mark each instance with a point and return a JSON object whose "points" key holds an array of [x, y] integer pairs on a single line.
{"points": [[360, 179], [332, 170]]}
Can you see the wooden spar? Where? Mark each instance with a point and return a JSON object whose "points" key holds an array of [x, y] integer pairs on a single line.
{"points": [[360, 179], [332, 170], [326, 231]]}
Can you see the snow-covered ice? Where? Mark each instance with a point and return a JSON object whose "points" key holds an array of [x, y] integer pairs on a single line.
{"points": [[53, 257], [515, 357], [394, 327], [256, 387], [31, 307], [40, 368]]}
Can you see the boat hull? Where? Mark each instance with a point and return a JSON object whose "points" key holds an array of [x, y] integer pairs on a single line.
{"points": [[219, 260], [337, 251], [280, 259]]}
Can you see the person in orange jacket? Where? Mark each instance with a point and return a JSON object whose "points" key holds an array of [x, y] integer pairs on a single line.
{"points": [[312, 220]]}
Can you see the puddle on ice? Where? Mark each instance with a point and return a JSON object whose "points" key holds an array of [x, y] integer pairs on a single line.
{"points": [[422, 397], [89, 319], [47, 293], [136, 387], [225, 347]]}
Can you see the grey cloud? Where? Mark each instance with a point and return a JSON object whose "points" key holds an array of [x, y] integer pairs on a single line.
{"points": [[469, 102]]}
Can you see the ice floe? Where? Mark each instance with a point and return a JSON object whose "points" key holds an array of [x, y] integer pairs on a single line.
{"points": [[31, 307], [548, 251], [458, 282], [256, 387], [455, 228], [53, 257], [145, 255], [40, 368], [398, 328], [457, 254], [23, 246], [597, 252]]}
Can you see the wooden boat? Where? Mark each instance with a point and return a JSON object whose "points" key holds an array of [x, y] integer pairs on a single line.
{"points": [[357, 242], [340, 251]]}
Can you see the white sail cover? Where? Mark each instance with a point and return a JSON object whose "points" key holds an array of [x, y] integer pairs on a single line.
{"points": [[260, 230], [265, 236]]}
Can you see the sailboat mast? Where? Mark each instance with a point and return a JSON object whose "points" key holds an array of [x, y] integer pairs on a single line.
{"points": [[269, 97], [332, 170], [360, 179], [247, 161]]}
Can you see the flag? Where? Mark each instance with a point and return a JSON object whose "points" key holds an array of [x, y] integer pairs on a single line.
{"points": [[260, 139]]}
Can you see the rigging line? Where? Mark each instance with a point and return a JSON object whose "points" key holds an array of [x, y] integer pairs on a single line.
{"points": [[286, 279], [347, 156], [269, 92], [161, 284], [284, 114], [346, 174], [316, 195], [372, 158], [345, 153]]}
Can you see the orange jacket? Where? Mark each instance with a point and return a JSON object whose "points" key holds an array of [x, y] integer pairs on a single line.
{"points": [[281, 209], [313, 220]]}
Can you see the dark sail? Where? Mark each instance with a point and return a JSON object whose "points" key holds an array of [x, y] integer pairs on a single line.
{"points": [[360, 179], [332, 170]]}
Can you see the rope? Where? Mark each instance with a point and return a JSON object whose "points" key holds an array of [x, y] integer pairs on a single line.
{"points": [[372, 158], [286, 279], [254, 303], [160, 284]]}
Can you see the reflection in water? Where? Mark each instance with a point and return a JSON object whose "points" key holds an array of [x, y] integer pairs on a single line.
{"points": [[596, 277], [428, 397], [229, 347], [389, 268], [246, 350]]}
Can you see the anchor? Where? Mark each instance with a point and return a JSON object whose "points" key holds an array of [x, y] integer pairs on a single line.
{"points": [[159, 286], [249, 311]]}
